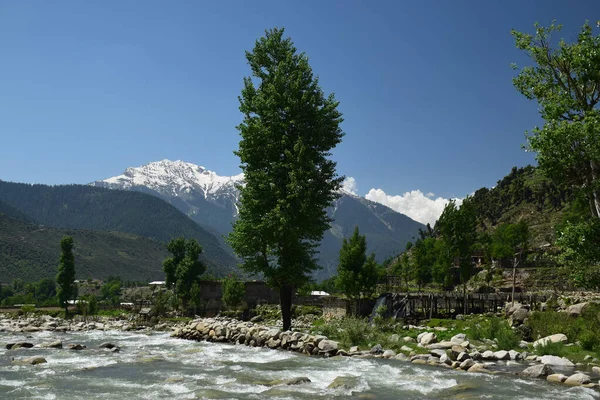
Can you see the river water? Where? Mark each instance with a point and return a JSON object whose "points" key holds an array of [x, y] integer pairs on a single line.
{"points": [[155, 366]]}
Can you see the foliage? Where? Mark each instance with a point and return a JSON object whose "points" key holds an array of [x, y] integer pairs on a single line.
{"points": [[498, 329], [183, 267], [195, 295], [357, 275], [111, 291], [457, 227], [288, 131], [233, 291], [98, 209], [565, 81], [580, 252], [583, 329], [550, 348], [508, 239], [87, 305], [66, 272]]}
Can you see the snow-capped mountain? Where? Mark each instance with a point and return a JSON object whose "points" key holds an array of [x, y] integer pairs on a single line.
{"points": [[210, 200]]}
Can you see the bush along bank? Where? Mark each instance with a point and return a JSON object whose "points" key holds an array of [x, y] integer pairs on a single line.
{"points": [[458, 352]]}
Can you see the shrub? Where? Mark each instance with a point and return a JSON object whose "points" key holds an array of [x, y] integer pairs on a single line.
{"points": [[589, 340], [550, 348]]}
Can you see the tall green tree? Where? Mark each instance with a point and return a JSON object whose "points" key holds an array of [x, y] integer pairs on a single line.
{"points": [[183, 267], [233, 291], [511, 241], [423, 258], [287, 134], [565, 81], [65, 279], [457, 227], [580, 252], [357, 274]]}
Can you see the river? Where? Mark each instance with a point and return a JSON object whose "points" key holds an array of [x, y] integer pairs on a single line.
{"points": [[155, 366]]}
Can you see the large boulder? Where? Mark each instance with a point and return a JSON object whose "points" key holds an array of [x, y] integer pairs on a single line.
{"points": [[57, 344], [31, 360], [19, 345], [442, 345], [557, 361], [558, 337], [458, 338], [427, 338], [558, 378], [344, 382], [537, 371], [577, 379], [327, 346], [576, 309], [502, 355]]}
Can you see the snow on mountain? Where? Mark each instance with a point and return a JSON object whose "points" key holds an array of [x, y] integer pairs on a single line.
{"points": [[175, 177], [211, 201]]}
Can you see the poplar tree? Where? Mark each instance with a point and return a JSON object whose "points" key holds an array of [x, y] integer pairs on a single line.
{"points": [[288, 130], [65, 279]]}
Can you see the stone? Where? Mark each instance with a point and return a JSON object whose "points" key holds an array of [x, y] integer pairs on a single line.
{"points": [[405, 349], [428, 338], [455, 351], [557, 361], [327, 346], [558, 378], [343, 382], [558, 337], [107, 345], [441, 345], [462, 357], [576, 309], [488, 355], [577, 379], [273, 343], [438, 353], [77, 346], [444, 359], [377, 349], [34, 360], [468, 363], [596, 370], [475, 355], [19, 345], [478, 367], [514, 355], [408, 339], [419, 361], [57, 344], [297, 381], [458, 338], [459, 317], [354, 349], [389, 354], [520, 315], [395, 338], [502, 355], [401, 357], [537, 371]]}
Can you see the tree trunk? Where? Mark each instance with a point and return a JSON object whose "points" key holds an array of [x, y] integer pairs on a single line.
{"points": [[285, 298], [514, 281], [595, 195]]}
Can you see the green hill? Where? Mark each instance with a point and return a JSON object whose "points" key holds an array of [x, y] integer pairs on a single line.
{"points": [[30, 252], [525, 194], [98, 209]]}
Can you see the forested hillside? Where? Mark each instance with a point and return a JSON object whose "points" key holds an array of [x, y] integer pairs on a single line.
{"points": [[30, 252], [525, 194], [85, 207]]}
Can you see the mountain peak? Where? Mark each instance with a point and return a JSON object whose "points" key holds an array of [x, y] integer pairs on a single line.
{"points": [[166, 176]]}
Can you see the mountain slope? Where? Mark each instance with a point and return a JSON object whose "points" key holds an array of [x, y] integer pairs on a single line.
{"points": [[210, 200], [30, 252], [85, 207]]}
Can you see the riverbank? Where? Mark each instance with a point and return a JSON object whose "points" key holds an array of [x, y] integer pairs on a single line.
{"points": [[457, 353]]}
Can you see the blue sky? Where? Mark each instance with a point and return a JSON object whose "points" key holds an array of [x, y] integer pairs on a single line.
{"points": [[90, 88]]}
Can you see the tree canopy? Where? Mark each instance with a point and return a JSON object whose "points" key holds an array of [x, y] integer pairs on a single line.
{"points": [[288, 130], [183, 267], [565, 81], [65, 279], [357, 274]]}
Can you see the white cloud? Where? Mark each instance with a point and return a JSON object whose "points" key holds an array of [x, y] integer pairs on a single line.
{"points": [[417, 205], [349, 185]]}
